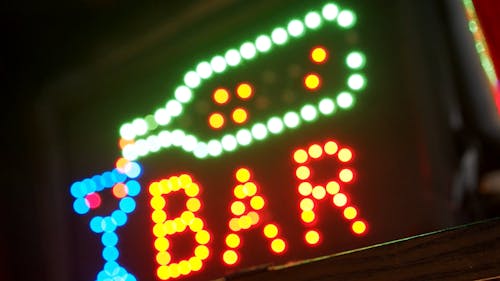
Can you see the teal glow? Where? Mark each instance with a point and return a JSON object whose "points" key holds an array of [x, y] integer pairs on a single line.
{"points": [[312, 20], [244, 137], [204, 70], [326, 106], [330, 12], [259, 131], [308, 113], [346, 19], [263, 43], [218, 64], [192, 79], [233, 57], [248, 51], [275, 125], [183, 94], [295, 28], [345, 100], [291, 119]]}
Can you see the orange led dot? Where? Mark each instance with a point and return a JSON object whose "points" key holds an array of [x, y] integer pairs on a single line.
{"points": [[359, 227], [249, 189], [201, 252], [303, 172], [345, 155], [163, 272], [331, 148], [239, 115], [216, 120], [233, 240], [221, 96], [202, 237], [122, 165], [315, 151], [319, 192], [245, 222], [312, 81], [300, 156], [270, 230], [319, 55], [158, 216], [234, 224], [278, 245], [230, 257], [239, 192], [243, 175], [307, 216], [257, 202], [195, 263], [163, 258], [340, 199], [305, 188], [312, 237], [346, 175], [332, 188], [120, 190], [306, 204], [238, 208], [244, 91], [350, 213], [193, 204], [161, 244], [254, 217]]}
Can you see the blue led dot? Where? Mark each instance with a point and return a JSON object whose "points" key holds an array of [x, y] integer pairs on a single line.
{"points": [[90, 185], [109, 239], [111, 268], [110, 253], [127, 205], [80, 206], [78, 189], [134, 170], [107, 181], [97, 180], [118, 176], [96, 224], [120, 217], [133, 188], [108, 224], [103, 276]]}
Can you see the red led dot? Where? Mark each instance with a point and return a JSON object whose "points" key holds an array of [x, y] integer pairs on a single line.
{"points": [[315, 151], [345, 155], [346, 175], [93, 200]]}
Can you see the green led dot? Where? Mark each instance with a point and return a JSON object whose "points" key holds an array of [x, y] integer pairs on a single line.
{"points": [[279, 36], [204, 70], [189, 143], [218, 64], [355, 60], [127, 131], [162, 117], [248, 50], [312, 20], [275, 125], [356, 82], [244, 137], [232, 57], [263, 43], [201, 150], [214, 148], [291, 119], [345, 100], [192, 79], [295, 28], [330, 12], [229, 142], [183, 94], [326, 106], [259, 131], [140, 126], [308, 113], [150, 120], [346, 19]]}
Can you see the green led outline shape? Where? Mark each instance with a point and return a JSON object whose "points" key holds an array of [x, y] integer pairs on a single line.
{"points": [[257, 131]]}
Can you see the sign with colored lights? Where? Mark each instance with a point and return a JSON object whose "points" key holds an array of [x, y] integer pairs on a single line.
{"points": [[215, 119]]}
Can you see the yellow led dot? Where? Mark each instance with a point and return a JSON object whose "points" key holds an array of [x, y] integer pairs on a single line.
{"points": [[331, 147], [312, 237], [221, 96], [250, 189], [300, 156], [192, 189], [319, 192], [233, 240], [195, 263], [202, 237], [319, 55], [201, 252], [254, 217], [196, 225], [306, 204], [238, 208], [161, 244], [332, 188], [243, 175], [154, 189], [170, 227], [180, 225], [165, 187], [163, 258], [307, 216], [157, 202], [245, 222], [193, 204], [185, 180], [340, 199], [239, 115], [163, 272], [244, 91], [305, 188], [350, 213], [230, 257], [312, 81], [158, 216], [216, 120], [278, 245], [270, 230], [174, 183], [174, 270], [187, 217], [239, 192], [234, 224], [302, 172], [315, 151], [160, 230], [184, 267], [345, 155], [346, 175], [359, 227], [257, 202]]}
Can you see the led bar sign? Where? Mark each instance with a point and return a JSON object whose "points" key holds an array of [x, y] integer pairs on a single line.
{"points": [[222, 108]]}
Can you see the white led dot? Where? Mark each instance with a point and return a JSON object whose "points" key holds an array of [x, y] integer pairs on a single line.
{"points": [[356, 82], [345, 100], [192, 79], [259, 131], [308, 112], [330, 12], [183, 94], [312, 20], [214, 148], [178, 137], [244, 137], [346, 19], [295, 28], [129, 152], [162, 117], [140, 126], [279, 36], [291, 119], [326, 106], [174, 108], [153, 143], [248, 51], [201, 150], [164, 139], [218, 64], [127, 131], [229, 142], [263, 43], [141, 147], [204, 70], [355, 60], [190, 143], [233, 57], [275, 125]]}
